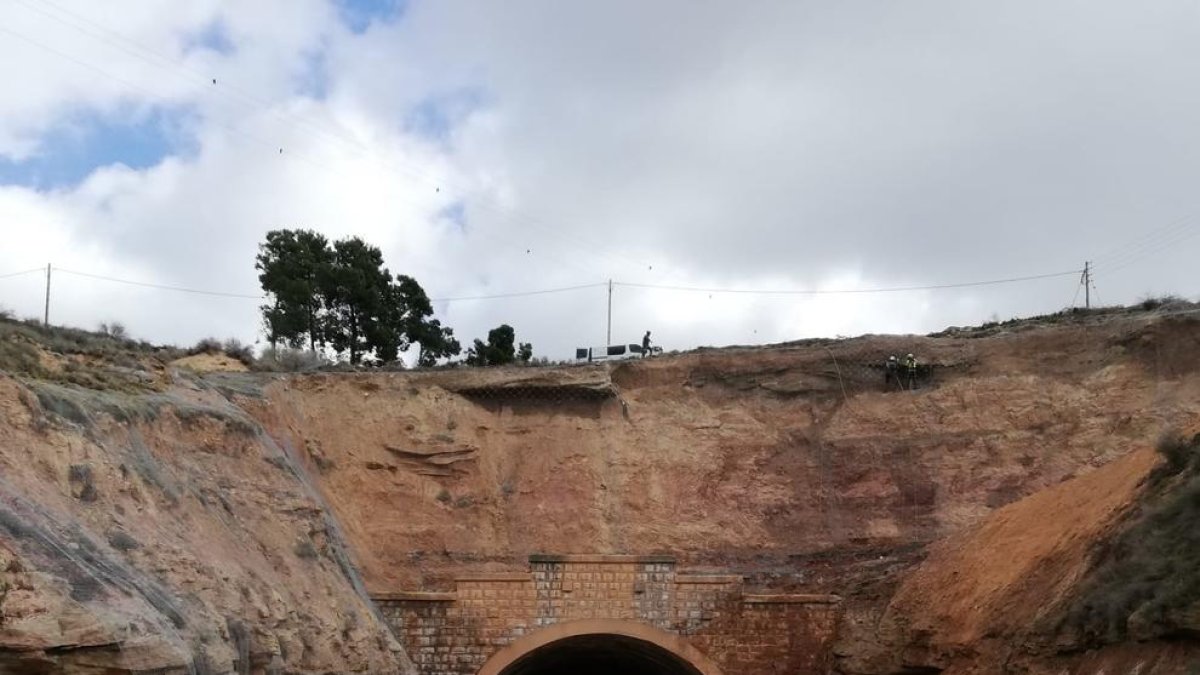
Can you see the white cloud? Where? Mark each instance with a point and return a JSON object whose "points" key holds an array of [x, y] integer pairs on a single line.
{"points": [[773, 145]]}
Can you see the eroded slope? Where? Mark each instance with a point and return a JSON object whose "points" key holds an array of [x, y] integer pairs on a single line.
{"points": [[162, 532]]}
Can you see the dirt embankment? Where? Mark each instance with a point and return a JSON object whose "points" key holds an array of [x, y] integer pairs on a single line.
{"points": [[163, 532], [989, 592]]}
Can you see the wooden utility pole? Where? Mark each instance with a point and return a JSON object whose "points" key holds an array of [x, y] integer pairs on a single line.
{"points": [[46, 315], [608, 338]]}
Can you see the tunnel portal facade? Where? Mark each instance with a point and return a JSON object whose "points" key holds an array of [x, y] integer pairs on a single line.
{"points": [[606, 613]]}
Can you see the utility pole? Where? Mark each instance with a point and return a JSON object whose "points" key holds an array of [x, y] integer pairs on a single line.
{"points": [[608, 339], [46, 316], [1087, 284]]}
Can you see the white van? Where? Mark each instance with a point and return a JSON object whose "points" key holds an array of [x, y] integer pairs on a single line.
{"points": [[609, 353]]}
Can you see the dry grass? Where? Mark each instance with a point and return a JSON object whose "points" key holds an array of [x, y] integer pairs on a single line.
{"points": [[93, 360]]}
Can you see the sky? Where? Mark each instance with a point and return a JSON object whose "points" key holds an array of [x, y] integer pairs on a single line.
{"points": [[688, 151]]}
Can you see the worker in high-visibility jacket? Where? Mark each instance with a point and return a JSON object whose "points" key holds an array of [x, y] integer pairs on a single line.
{"points": [[910, 370]]}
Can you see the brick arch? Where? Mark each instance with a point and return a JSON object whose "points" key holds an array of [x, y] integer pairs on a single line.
{"points": [[668, 642]]}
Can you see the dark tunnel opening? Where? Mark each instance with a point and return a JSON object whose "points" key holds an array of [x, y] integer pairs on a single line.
{"points": [[600, 654]]}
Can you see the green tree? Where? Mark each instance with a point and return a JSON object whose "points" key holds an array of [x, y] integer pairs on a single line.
{"points": [[293, 266], [407, 320], [356, 294], [436, 342], [343, 296], [500, 348], [525, 352]]}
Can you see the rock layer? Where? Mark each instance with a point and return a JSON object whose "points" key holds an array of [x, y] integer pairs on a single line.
{"points": [[235, 522]]}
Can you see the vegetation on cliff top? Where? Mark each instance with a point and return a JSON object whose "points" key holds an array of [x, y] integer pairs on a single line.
{"points": [[339, 295]]}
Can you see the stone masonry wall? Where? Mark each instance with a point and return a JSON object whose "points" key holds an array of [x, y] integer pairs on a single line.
{"points": [[455, 633]]}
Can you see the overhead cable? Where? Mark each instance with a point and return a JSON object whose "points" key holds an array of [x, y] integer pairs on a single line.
{"points": [[1140, 253], [181, 289], [162, 287], [1145, 240], [578, 287], [894, 289], [520, 294], [17, 274]]}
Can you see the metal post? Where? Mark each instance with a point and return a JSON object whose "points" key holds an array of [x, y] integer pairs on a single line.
{"points": [[46, 316], [608, 339], [1087, 285]]}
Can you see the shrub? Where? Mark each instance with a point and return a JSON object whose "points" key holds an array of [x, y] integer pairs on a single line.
{"points": [[234, 349], [1154, 302], [289, 360], [19, 357], [1178, 452], [208, 345], [114, 330], [444, 496]]}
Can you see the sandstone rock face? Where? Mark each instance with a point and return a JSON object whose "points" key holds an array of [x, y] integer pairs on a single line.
{"points": [[791, 464], [164, 533], [794, 466], [200, 528]]}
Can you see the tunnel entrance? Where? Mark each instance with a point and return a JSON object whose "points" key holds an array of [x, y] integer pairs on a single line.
{"points": [[600, 655], [600, 647]]}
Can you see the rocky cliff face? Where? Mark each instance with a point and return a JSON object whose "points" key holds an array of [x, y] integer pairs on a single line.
{"points": [[165, 533], [772, 461], [198, 523]]}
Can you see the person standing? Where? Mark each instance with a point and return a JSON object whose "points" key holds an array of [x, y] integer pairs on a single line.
{"points": [[891, 372], [646, 345], [910, 371]]}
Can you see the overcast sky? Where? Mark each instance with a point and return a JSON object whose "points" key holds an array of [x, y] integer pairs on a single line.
{"points": [[500, 147]]}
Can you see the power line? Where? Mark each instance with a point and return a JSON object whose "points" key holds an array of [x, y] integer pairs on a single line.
{"points": [[162, 287], [1138, 247], [1145, 238], [17, 274], [896, 289], [578, 287], [1122, 263], [520, 294], [181, 289]]}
